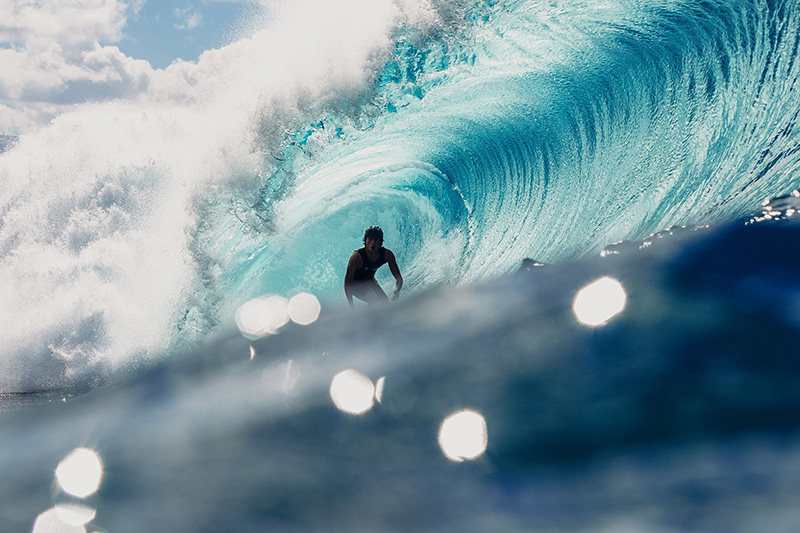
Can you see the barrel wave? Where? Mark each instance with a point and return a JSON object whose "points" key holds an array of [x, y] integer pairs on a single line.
{"points": [[552, 132], [475, 135]]}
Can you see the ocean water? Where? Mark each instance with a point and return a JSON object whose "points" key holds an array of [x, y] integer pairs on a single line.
{"points": [[515, 153]]}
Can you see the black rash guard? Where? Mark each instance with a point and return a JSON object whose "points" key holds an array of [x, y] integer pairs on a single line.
{"points": [[368, 268]]}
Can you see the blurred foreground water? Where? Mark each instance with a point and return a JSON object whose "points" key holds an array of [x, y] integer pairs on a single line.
{"points": [[678, 410]]}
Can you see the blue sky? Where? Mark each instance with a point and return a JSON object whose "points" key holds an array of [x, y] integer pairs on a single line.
{"points": [[166, 30]]}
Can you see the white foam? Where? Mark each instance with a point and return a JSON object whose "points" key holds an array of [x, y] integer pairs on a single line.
{"points": [[99, 209]]}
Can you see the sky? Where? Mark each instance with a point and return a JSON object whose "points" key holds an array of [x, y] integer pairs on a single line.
{"points": [[55, 54], [166, 30]]}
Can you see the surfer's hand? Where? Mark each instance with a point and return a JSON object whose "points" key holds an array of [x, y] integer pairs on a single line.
{"points": [[396, 295]]}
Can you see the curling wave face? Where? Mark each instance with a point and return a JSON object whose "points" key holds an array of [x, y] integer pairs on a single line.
{"points": [[474, 136]]}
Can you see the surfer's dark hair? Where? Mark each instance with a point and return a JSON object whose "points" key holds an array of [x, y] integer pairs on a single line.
{"points": [[374, 232]]}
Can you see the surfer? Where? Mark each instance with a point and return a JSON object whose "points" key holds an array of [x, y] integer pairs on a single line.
{"points": [[359, 281]]}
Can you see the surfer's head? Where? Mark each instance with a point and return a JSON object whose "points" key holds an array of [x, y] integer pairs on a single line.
{"points": [[375, 233]]}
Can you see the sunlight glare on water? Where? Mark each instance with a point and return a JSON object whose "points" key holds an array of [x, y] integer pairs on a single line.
{"points": [[80, 473], [50, 521], [75, 514], [304, 308], [464, 436], [599, 301], [262, 316], [291, 375], [379, 389], [352, 392]]}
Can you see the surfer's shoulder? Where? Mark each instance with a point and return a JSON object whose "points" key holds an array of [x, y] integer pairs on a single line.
{"points": [[356, 260]]}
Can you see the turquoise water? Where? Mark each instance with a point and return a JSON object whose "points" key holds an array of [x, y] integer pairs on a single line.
{"points": [[476, 135]]}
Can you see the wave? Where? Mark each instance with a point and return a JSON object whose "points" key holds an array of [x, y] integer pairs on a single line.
{"points": [[475, 135]]}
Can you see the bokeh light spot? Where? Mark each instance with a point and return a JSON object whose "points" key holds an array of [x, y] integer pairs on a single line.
{"points": [[463, 436], [304, 308], [50, 522], [262, 316], [352, 392], [290, 377], [75, 514], [379, 389], [80, 473], [599, 301]]}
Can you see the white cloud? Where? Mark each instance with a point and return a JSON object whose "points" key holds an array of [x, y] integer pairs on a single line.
{"points": [[51, 56], [15, 119], [70, 23], [55, 54], [42, 72], [191, 20]]}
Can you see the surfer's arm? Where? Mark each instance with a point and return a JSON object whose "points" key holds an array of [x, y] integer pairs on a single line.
{"points": [[354, 264], [398, 279]]}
